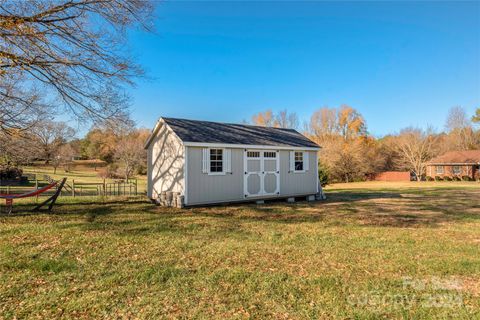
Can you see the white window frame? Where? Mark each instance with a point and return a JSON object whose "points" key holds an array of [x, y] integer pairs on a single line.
{"points": [[303, 162], [437, 171], [219, 173], [459, 169]]}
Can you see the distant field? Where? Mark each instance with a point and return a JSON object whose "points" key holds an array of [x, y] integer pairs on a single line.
{"points": [[370, 251], [81, 174]]}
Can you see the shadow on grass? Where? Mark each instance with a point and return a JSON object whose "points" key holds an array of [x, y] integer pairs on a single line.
{"points": [[404, 208], [352, 196], [413, 208]]}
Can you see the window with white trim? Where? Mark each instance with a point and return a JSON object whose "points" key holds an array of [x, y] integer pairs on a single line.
{"points": [[253, 154], [439, 169], [216, 160], [298, 161], [456, 170], [269, 154]]}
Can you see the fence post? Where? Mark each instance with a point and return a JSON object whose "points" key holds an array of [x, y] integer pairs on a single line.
{"points": [[136, 186], [36, 186], [104, 188], [73, 188]]}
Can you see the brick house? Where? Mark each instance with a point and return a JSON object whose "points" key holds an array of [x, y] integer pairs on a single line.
{"points": [[455, 164]]}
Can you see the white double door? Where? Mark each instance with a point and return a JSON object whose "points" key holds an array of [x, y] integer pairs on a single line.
{"points": [[262, 172]]}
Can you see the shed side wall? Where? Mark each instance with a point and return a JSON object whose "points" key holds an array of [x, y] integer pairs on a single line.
{"points": [[165, 164], [291, 183], [203, 188]]}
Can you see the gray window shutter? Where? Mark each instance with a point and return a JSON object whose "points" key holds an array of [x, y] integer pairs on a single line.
{"points": [[292, 161], [205, 160], [227, 161], [306, 162]]}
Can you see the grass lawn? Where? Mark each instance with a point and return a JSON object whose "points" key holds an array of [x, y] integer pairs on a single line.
{"points": [[375, 250]]}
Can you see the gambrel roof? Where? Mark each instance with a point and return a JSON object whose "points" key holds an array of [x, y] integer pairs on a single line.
{"points": [[194, 131]]}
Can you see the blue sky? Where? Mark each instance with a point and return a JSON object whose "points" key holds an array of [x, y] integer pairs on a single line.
{"points": [[398, 63]]}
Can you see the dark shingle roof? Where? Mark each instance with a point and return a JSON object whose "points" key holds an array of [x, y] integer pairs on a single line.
{"points": [[227, 133], [470, 156]]}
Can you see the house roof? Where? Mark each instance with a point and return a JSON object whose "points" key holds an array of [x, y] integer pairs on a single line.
{"points": [[208, 132], [458, 157]]}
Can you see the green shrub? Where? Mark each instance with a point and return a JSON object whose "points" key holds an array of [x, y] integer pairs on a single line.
{"points": [[438, 178], [447, 178], [466, 178], [456, 178], [10, 173], [323, 175], [428, 178]]}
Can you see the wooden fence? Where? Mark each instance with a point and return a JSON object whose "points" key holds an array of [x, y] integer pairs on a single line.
{"points": [[77, 188], [116, 188]]}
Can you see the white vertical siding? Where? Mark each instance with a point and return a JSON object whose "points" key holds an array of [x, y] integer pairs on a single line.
{"points": [[203, 188], [165, 164], [298, 183], [149, 172]]}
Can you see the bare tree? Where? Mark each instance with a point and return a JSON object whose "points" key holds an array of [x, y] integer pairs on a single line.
{"points": [[461, 135], [65, 155], [282, 119], [50, 136], [21, 108], [457, 119], [286, 120], [344, 121], [415, 147], [16, 149], [323, 122], [130, 153], [460, 139], [74, 50]]}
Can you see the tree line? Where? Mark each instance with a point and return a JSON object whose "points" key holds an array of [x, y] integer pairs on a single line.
{"points": [[349, 153], [119, 149]]}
